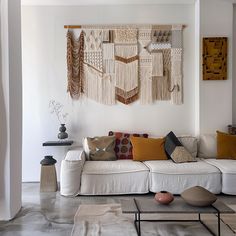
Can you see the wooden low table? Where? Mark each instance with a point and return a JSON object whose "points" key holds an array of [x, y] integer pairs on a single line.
{"points": [[139, 207]]}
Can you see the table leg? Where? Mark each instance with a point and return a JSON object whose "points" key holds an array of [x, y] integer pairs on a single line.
{"points": [[139, 224], [218, 216]]}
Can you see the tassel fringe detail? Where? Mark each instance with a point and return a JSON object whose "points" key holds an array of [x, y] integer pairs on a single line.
{"points": [[75, 73]]}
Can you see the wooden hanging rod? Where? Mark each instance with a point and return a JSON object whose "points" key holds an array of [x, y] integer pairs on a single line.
{"points": [[72, 26], [79, 26]]}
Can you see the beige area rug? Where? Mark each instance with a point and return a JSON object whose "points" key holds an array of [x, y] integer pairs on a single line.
{"points": [[108, 220]]}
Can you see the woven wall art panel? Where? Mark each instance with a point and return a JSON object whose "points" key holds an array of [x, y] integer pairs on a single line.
{"points": [[215, 58], [124, 63]]}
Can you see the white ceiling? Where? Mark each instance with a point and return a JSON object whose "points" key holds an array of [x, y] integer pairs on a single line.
{"points": [[100, 2]]}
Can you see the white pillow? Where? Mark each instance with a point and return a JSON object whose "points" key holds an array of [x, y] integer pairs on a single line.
{"points": [[208, 146]]}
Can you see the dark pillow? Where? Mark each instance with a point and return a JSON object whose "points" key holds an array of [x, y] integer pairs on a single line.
{"points": [[176, 151]]}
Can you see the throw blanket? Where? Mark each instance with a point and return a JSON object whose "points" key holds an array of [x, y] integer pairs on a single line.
{"points": [[105, 220]]}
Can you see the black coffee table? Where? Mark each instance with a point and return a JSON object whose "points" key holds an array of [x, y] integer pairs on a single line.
{"points": [[139, 207]]}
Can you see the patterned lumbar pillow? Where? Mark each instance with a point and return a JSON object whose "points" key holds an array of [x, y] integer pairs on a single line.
{"points": [[176, 151], [123, 147], [100, 148]]}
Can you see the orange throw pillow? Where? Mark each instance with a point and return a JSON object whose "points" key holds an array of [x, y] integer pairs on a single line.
{"points": [[226, 146], [145, 149]]}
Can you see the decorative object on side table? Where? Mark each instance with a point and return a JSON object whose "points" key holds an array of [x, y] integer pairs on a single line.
{"points": [[232, 129], [62, 134], [48, 160], [164, 197], [198, 196], [56, 107], [48, 178]]}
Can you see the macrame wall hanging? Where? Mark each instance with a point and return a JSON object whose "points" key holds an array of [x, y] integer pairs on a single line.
{"points": [[109, 63]]}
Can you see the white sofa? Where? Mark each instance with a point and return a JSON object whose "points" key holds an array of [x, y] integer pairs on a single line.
{"points": [[79, 176]]}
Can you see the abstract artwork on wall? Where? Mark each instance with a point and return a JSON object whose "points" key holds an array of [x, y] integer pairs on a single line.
{"points": [[215, 58], [110, 63]]}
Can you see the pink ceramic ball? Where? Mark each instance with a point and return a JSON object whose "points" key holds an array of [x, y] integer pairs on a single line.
{"points": [[164, 197]]}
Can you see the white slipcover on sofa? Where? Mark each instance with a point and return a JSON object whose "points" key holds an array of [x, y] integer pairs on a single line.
{"points": [[208, 151], [79, 176]]}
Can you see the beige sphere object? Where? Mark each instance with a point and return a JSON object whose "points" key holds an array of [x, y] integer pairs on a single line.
{"points": [[198, 196]]}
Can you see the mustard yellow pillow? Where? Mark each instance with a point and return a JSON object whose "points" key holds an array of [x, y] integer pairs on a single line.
{"points": [[226, 146], [145, 149]]}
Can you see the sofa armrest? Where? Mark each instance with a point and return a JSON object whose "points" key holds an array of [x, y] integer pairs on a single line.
{"points": [[75, 155], [71, 170]]}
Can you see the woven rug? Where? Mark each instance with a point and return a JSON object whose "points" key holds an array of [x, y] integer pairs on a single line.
{"points": [[108, 220]]}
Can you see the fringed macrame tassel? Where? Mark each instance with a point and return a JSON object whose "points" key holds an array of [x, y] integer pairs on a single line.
{"points": [[108, 66], [157, 64], [146, 91], [108, 58], [145, 66], [99, 87], [146, 81], [176, 76], [161, 87], [127, 97], [126, 72], [75, 56], [126, 75]]}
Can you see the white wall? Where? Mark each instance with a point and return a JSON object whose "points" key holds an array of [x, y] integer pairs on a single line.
{"points": [[10, 109], [216, 19], [207, 104], [234, 67], [44, 78]]}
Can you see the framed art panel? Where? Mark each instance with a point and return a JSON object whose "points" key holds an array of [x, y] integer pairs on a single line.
{"points": [[215, 58]]}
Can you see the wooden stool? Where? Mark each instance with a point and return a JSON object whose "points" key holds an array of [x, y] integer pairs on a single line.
{"points": [[48, 179]]}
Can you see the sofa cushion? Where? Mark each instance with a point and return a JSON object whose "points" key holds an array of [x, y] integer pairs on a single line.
{"points": [[113, 167], [225, 166], [117, 177], [169, 167], [100, 148], [123, 147], [207, 146], [176, 151], [226, 146], [228, 169], [148, 149], [175, 178]]}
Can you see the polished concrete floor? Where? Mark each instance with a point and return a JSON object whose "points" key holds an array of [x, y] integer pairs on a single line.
{"points": [[51, 214]]}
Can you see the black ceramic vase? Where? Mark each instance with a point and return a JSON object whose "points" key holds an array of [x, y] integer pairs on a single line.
{"points": [[48, 161], [62, 134]]}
